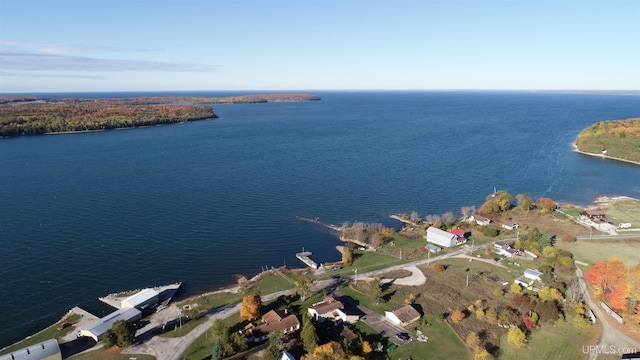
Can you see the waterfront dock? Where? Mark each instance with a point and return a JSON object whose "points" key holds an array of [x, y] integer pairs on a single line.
{"points": [[305, 258]]}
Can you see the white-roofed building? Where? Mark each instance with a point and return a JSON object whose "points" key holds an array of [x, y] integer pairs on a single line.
{"points": [[46, 350], [146, 297], [96, 329], [443, 238]]}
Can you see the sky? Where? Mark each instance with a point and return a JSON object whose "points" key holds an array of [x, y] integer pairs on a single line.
{"points": [[189, 45]]}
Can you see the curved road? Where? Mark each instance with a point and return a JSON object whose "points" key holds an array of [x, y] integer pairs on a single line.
{"points": [[612, 340]]}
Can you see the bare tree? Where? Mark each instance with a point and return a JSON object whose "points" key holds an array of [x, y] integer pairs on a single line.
{"points": [[574, 291], [467, 211], [414, 216], [448, 217]]}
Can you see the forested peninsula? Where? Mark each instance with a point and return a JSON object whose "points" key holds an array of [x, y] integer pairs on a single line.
{"points": [[616, 139], [32, 115]]}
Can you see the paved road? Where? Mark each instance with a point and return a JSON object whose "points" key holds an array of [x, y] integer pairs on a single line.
{"points": [[164, 348], [611, 339]]}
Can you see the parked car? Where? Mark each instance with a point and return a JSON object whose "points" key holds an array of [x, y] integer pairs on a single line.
{"points": [[403, 336]]}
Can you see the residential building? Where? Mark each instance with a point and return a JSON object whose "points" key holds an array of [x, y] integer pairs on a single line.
{"points": [[332, 309], [403, 315], [480, 220], [274, 320]]}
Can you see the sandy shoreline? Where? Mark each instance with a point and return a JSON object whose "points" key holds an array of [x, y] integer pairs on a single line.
{"points": [[603, 156]]}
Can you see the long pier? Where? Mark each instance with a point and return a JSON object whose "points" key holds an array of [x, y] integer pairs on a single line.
{"points": [[305, 258], [317, 221]]}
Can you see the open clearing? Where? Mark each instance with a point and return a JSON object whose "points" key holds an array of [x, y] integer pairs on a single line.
{"points": [[592, 251]]}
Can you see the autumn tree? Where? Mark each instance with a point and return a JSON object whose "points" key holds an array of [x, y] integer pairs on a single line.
{"points": [[516, 288], [473, 342], [546, 205], [347, 256], [550, 294], [250, 308], [457, 316], [366, 347], [619, 296], [604, 275], [303, 286], [524, 201], [497, 203], [516, 337]]}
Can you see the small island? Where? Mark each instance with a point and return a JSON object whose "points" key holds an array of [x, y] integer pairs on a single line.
{"points": [[612, 139], [32, 115]]}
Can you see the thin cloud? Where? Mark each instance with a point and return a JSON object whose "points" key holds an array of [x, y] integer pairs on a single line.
{"points": [[52, 48], [42, 62], [41, 75]]}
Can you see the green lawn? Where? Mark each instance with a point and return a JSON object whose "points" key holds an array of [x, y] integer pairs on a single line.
{"points": [[443, 344], [622, 212], [601, 250], [110, 354], [49, 333], [562, 341]]}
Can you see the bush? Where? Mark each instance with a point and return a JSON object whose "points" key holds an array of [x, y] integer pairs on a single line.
{"points": [[438, 267], [489, 231], [457, 316]]}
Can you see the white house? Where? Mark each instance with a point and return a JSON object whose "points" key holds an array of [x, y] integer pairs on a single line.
{"points": [[403, 315], [504, 248], [529, 279], [286, 356], [533, 274], [480, 220], [443, 238], [332, 309]]}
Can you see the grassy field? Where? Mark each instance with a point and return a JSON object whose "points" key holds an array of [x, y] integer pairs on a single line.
{"points": [[562, 342], [624, 211], [48, 333], [110, 354], [443, 344], [592, 251]]}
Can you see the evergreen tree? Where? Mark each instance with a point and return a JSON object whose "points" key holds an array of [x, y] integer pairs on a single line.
{"points": [[308, 334]]}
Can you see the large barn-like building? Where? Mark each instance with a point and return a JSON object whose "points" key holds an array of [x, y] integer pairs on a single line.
{"points": [[140, 300], [46, 350], [443, 238], [96, 329]]}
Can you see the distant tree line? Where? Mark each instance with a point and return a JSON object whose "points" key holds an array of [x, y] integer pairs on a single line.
{"points": [[31, 115]]}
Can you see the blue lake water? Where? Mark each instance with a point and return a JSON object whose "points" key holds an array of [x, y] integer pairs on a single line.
{"points": [[83, 215]]}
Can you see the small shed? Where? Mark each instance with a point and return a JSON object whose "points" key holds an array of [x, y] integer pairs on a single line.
{"points": [[432, 248]]}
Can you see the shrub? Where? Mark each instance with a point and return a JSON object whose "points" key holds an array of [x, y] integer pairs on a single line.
{"points": [[438, 267], [457, 316]]}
